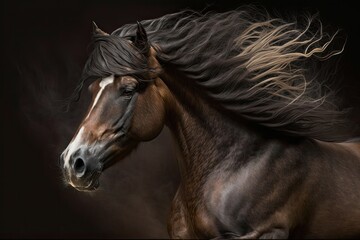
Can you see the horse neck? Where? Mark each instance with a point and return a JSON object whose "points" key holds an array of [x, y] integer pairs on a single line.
{"points": [[204, 135]]}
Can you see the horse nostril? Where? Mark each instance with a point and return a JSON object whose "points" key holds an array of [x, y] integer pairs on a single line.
{"points": [[79, 167]]}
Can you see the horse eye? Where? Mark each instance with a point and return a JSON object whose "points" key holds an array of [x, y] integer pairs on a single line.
{"points": [[127, 91]]}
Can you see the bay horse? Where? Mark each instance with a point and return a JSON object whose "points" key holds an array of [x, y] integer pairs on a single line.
{"points": [[262, 148]]}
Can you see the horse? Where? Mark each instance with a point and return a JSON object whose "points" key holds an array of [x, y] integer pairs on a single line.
{"points": [[263, 148]]}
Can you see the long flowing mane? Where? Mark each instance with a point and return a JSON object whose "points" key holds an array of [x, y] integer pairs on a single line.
{"points": [[267, 70]]}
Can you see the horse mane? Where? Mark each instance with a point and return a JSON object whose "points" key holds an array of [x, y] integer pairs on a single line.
{"points": [[267, 70]]}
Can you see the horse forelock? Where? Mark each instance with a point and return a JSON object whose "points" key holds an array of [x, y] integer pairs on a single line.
{"points": [[113, 55]]}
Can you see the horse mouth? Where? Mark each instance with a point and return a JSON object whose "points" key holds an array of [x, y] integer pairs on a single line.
{"points": [[92, 186], [92, 183], [89, 181], [88, 184]]}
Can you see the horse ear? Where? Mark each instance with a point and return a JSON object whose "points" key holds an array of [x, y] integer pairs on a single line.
{"points": [[141, 40], [97, 30]]}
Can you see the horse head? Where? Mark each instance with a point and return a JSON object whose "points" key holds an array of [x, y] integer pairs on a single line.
{"points": [[124, 111]]}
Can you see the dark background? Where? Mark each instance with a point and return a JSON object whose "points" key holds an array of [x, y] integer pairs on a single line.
{"points": [[44, 45]]}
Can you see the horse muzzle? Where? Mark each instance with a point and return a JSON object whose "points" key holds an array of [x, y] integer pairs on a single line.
{"points": [[81, 170]]}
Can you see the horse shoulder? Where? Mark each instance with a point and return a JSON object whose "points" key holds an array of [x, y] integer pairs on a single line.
{"points": [[251, 198]]}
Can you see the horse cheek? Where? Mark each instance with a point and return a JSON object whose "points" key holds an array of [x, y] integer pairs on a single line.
{"points": [[148, 120]]}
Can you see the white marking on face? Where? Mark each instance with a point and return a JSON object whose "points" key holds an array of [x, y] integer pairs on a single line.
{"points": [[104, 82], [79, 140], [73, 146]]}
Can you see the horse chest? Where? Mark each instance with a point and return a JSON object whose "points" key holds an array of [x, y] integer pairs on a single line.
{"points": [[228, 200], [189, 218], [227, 197], [216, 207]]}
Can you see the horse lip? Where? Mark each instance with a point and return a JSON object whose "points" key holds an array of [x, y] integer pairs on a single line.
{"points": [[90, 183], [92, 186]]}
